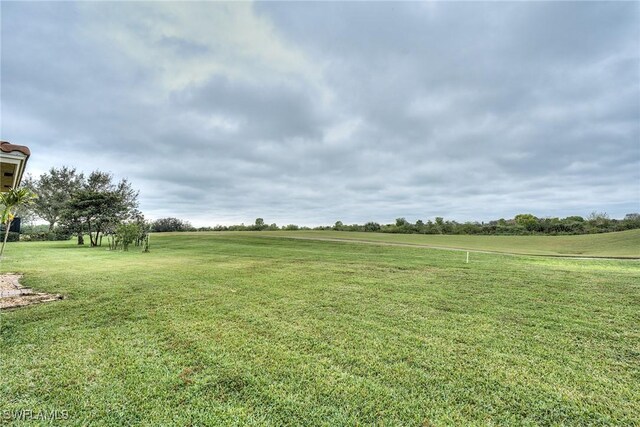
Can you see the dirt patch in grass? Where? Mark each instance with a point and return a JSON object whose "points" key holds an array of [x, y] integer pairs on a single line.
{"points": [[14, 295]]}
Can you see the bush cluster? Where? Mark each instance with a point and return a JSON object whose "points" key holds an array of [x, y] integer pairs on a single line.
{"points": [[41, 236], [12, 236]]}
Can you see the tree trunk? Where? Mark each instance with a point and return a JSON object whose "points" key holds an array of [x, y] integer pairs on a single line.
{"points": [[93, 243], [80, 238], [51, 224], [6, 236]]}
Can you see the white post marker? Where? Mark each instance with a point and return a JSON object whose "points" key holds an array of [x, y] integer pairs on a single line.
{"points": [[467, 257]]}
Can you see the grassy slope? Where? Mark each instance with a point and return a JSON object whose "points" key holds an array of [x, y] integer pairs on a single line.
{"points": [[238, 329], [624, 244]]}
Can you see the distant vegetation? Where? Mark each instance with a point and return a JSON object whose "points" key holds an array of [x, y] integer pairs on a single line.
{"points": [[170, 224], [73, 204], [523, 224], [95, 205]]}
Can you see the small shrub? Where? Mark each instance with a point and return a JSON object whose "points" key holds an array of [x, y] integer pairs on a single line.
{"points": [[42, 236], [13, 237], [127, 233]]}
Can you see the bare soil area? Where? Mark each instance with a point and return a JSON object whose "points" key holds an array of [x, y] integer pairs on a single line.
{"points": [[13, 295]]}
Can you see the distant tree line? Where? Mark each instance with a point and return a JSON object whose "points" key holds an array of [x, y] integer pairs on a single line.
{"points": [[170, 224], [97, 206], [522, 224]]}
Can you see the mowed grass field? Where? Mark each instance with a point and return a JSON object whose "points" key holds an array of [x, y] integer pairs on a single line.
{"points": [[624, 244], [253, 329]]}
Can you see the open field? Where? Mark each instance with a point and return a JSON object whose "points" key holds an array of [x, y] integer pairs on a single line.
{"points": [[252, 328], [624, 244]]}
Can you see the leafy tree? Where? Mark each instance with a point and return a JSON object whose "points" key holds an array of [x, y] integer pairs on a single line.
{"points": [[632, 220], [372, 226], [400, 222], [528, 221], [94, 211], [144, 227], [54, 189], [599, 219], [170, 224], [73, 221], [99, 206], [429, 228], [259, 224], [132, 231], [127, 233]]}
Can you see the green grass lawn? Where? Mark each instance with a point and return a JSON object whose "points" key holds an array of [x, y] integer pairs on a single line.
{"points": [[624, 244], [252, 329]]}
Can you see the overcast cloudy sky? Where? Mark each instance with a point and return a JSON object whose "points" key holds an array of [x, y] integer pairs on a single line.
{"points": [[310, 113]]}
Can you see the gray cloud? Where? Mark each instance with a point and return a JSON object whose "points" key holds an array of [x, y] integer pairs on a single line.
{"points": [[313, 112]]}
